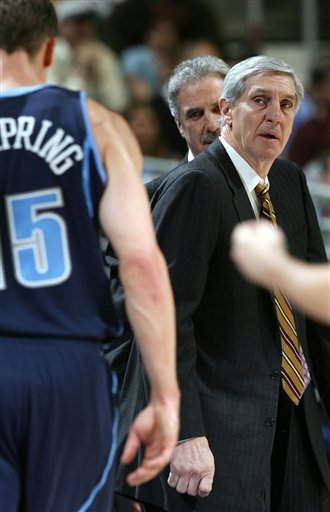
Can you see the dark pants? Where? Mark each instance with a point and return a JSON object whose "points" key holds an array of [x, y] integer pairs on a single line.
{"points": [[57, 426], [280, 450], [129, 504], [296, 483]]}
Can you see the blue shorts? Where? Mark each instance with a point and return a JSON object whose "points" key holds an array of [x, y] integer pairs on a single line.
{"points": [[58, 423]]}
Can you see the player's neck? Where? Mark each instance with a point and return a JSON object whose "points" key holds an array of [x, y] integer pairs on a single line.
{"points": [[18, 70]]}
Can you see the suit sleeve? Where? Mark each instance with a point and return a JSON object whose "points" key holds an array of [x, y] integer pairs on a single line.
{"points": [[185, 219]]}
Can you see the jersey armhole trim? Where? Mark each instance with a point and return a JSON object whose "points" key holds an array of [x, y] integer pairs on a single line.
{"points": [[91, 141]]}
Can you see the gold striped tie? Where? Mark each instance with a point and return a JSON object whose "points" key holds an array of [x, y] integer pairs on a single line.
{"points": [[292, 371]]}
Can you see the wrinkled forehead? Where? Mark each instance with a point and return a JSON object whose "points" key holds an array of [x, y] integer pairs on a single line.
{"points": [[274, 78], [205, 91], [271, 83]]}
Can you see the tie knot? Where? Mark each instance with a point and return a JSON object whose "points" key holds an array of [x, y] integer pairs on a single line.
{"points": [[261, 189]]}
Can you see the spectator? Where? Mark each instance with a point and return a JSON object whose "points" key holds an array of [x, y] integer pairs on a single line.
{"points": [[81, 61], [192, 48], [313, 135], [147, 126], [130, 20]]}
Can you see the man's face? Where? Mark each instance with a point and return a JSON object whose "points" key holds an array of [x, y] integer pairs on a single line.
{"points": [[199, 113], [260, 123]]}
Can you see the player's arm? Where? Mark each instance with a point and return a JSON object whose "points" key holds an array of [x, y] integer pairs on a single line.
{"points": [[261, 254], [125, 218], [308, 285]]}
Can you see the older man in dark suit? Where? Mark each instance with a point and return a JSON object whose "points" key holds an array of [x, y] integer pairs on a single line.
{"points": [[194, 90], [193, 94], [244, 413]]}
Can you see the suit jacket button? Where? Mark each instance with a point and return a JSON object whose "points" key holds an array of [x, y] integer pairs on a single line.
{"points": [[275, 374], [269, 422]]}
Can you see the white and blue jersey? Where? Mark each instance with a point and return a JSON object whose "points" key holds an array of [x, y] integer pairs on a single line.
{"points": [[52, 281]]}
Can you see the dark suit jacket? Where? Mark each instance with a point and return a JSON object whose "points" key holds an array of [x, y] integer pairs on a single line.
{"points": [[120, 351], [229, 353], [153, 185], [121, 346]]}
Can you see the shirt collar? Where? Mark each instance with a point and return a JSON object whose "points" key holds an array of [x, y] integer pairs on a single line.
{"points": [[190, 155], [247, 174]]}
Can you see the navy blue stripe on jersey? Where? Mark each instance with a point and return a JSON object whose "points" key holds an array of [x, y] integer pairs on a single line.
{"points": [[90, 146], [99, 166], [86, 180]]}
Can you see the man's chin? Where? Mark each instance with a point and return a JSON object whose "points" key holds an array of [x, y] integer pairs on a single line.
{"points": [[207, 142], [206, 145]]}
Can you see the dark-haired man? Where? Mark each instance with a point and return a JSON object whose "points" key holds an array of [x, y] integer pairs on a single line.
{"points": [[58, 414]]}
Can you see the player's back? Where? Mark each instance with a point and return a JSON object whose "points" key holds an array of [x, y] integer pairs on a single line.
{"points": [[52, 281]]}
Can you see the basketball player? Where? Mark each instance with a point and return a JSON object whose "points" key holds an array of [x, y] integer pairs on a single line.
{"points": [[68, 167]]}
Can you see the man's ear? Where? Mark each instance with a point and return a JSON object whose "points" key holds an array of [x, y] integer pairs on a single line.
{"points": [[226, 111], [49, 52]]}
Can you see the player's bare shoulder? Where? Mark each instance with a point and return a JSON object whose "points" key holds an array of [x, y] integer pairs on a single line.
{"points": [[112, 133]]}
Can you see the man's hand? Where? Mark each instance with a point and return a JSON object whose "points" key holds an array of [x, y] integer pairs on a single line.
{"points": [[156, 427], [192, 467]]}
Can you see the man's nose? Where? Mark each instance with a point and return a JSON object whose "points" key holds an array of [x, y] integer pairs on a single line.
{"points": [[212, 122], [273, 113]]}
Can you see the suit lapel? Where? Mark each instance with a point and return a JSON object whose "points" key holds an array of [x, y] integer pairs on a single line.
{"points": [[243, 205], [241, 200]]}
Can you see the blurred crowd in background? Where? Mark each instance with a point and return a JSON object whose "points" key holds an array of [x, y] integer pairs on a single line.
{"points": [[123, 52]]}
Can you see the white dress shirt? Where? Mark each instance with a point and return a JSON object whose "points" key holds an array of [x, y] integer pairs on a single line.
{"points": [[247, 174]]}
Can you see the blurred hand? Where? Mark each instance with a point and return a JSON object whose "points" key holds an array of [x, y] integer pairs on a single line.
{"points": [[192, 467], [156, 427], [258, 250]]}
